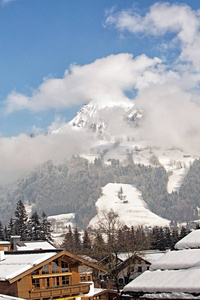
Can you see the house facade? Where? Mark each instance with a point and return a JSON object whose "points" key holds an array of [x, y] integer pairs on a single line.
{"points": [[42, 275]]}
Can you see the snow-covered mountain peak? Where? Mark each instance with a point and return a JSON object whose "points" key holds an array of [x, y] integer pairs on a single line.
{"points": [[97, 116]]}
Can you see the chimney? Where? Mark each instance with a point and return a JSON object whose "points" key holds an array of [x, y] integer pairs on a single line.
{"points": [[1, 255], [14, 240]]}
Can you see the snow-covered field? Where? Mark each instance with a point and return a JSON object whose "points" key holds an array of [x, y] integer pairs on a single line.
{"points": [[132, 210]]}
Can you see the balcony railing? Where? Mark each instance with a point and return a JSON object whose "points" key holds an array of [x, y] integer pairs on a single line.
{"points": [[59, 292]]}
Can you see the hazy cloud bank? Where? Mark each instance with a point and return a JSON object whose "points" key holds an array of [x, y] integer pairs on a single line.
{"points": [[21, 154]]}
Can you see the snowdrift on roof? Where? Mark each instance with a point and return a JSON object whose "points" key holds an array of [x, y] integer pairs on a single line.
{"points": [[192, 240]]}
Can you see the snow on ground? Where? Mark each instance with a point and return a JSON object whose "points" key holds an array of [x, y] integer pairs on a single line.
{"points": [[132, 209], [175, 161], [60, 225]]}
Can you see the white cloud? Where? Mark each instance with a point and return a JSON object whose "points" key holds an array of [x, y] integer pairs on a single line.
{"points": [[164, 18], [103, 80], [21, 154], [171, 116]]}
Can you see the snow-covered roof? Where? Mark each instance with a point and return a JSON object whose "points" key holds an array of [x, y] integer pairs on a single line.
{"points": [[192, 240], [185, 280], [152, 256], [170, 296], [4, 243], [148, 255], [182, 259], [34, 245], [15, 264], [6, 297], [124, 255]]}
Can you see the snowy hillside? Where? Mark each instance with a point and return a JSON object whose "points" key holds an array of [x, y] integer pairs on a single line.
{"points": [[115, 128], [175, 161], [131, 208]]}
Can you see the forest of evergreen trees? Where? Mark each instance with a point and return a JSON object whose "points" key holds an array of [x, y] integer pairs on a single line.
{"points": [[29, 229], [95, 245], [76, 185]]}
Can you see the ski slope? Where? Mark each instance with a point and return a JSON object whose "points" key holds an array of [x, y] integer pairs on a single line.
{"points": [[132, 210]]}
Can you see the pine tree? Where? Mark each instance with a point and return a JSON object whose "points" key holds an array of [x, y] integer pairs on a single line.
{"points": [[45, 225], [168, 238], [76, 241], [86, 241], [35, 228], [21, 224], [175, 237], [11, 230], [68, 240], [2, 233], [183, 232]]}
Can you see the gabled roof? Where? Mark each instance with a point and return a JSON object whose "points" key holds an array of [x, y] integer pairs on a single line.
{"points": [[149, 256], [15, 266], [192, 240], [182, 259]]}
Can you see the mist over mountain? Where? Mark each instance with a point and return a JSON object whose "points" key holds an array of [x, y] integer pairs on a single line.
{"points": [[110, 151]]}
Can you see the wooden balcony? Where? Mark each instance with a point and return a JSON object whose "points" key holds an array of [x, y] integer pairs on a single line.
{"points": [[59, 292]]}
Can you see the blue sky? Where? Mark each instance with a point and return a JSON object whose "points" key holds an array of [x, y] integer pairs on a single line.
{"points": [[41, 39]]}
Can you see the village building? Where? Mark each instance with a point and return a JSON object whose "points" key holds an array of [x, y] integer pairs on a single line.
{"points": [[130, 265], [42, 274], [176, 275]]}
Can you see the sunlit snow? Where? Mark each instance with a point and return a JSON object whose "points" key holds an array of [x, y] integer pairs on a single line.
{"points": [[132, 210]]}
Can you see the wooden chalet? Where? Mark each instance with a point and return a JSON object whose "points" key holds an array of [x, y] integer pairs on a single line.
{"points": [[42, 275]]}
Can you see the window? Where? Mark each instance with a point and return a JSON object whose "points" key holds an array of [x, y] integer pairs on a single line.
{"points": [[65, 280], [121, 281], [55, 267], [36, 283], [36, 272], [64, 266], [48, 283], [139, 269], [82, 277], [58, 281], [89, 278], [45, 269]]}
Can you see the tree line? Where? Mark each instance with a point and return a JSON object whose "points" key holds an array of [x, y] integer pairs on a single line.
{"points": [[110, 238], [33, 228], [76, 185], [93, 242]]}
